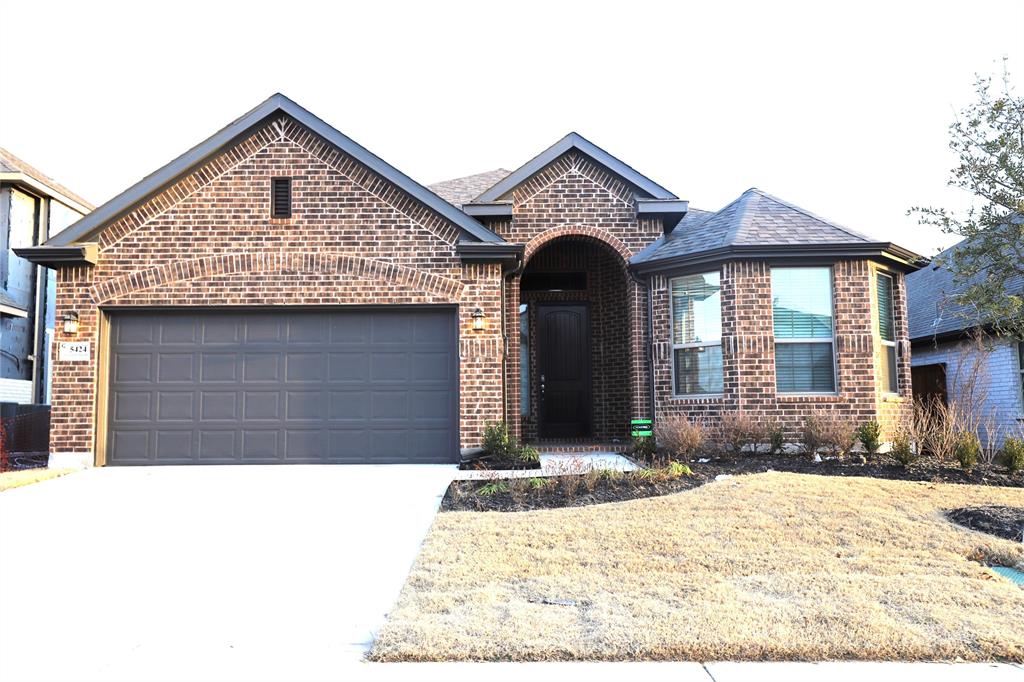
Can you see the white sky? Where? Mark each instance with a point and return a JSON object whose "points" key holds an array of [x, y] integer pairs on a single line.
{"points": [[842, 109]]}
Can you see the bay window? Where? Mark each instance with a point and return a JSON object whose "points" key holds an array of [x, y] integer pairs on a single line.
{"points": [[802, 320], [696, 310], [887, 331]]}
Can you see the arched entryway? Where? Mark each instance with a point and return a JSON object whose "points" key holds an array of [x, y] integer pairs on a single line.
{"points": [[574, 357]]}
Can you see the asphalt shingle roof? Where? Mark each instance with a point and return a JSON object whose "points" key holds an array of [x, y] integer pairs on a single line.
{"points": [[9, 163], [756, 218], [461, 191], [931, 306]]}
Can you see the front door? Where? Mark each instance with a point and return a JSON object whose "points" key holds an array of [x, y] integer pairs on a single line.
{"points": [[563, 359]]}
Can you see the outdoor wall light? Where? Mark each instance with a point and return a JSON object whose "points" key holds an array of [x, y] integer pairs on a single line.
{"points": [[478, 319], [70, 322]]}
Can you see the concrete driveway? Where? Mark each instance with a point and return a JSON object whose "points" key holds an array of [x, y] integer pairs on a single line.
{"points": [[259, 572]]}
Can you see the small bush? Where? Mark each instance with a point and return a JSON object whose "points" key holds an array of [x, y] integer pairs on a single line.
{"points": [[493, 488], [539, 483], [967, 449], [679, 437], [1013, 454], [497, 440], [741, 431], [776, 438], [645, 449], [839, 435], [677, 470], [870, 436], [812, 433], [901, 450], [528, 453]]}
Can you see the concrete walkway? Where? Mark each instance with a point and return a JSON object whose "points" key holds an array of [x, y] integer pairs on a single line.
{"points": [[259, 572]]}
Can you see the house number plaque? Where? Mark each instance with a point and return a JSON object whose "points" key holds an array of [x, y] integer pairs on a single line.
{"points": [[73, 351]]}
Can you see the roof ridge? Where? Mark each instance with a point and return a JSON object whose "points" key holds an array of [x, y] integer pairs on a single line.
{"points": [[814, 216], [25, 168], [748, 205]]}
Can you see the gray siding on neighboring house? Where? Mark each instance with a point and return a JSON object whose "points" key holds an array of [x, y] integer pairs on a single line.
{"points": [[998, 372], [18, 283]]}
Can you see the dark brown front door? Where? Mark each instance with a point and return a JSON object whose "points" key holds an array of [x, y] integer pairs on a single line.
{"points": [[563, 358]]}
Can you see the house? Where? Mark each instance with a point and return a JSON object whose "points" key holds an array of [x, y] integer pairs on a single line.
{"points": [[950, 361], [33, 208], [280, 294]]}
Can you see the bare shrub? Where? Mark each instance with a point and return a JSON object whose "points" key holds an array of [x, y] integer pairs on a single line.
{"points": [[776, 437], [812, 433], [679, 437], [741, 431]]}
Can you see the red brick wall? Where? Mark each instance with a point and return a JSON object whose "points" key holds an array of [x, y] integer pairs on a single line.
{"points": [[748, 349], [352, 239], [575, 202]]}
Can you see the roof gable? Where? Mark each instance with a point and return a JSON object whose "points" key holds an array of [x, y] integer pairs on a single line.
{"points": [[278, 104], [643, 184], [13, 168]]}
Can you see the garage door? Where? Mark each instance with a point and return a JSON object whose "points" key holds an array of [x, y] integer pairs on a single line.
{"points": [[354, 386]]}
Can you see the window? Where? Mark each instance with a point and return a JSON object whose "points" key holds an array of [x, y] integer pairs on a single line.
{"points": [[887, 332], [696, 334], [524, 360], [1020, 366], [802, 319], [281, 197]]}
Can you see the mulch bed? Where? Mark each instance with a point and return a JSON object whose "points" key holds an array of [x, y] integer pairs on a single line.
{"points": [[574, 491], [1004, 522], [491, 463]]}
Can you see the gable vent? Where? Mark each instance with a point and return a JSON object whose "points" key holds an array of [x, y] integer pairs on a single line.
{"points": [[281, 197]]}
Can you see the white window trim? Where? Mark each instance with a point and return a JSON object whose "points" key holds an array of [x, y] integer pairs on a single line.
{"points": [[890, 344], [702, 344], [817, 339]]}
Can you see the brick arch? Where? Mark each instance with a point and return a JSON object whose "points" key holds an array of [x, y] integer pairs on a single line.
{"points": [[604, 237], [289, 262]]}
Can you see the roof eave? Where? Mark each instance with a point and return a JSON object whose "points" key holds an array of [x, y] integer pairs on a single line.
{"points": [[898, 256], [60, 256], [479, 252], [37, 187], [669, 211], [488, 210]]}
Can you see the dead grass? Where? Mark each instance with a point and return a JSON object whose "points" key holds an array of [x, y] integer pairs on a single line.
{"points": [[771, 566], [15, 479]]}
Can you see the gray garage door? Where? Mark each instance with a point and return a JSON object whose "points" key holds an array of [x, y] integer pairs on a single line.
{"points": [[358, 386]]}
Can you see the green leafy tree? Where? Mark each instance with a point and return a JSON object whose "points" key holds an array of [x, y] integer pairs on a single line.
{"points": [[988, 138]]}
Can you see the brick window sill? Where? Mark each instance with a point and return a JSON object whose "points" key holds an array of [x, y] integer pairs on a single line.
{"points": [[893, 399], [810, 398], [697, 399]]}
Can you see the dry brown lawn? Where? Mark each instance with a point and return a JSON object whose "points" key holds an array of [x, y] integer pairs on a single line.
{"points": [[770, 566], [14, 479]]}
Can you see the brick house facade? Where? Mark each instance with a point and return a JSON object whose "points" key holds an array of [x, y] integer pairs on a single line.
{"points": [[572, 239]]}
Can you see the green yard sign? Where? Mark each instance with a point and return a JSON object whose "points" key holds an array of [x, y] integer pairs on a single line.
{"points": [[640, 428]]}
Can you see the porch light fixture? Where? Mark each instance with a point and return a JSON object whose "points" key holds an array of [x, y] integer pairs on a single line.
{"points": [[478, 319], [70, 320]]}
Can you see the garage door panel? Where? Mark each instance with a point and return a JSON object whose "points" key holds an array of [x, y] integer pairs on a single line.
{"points": [[133, 367], [274, 387], [217, 367], [175, 406], [174, 367]]}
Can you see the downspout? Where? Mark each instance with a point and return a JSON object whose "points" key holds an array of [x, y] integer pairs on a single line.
{"points": [[39, 314], [650, 345]]}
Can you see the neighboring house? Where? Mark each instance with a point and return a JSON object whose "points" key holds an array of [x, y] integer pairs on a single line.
{"points": [[280, 294], [952, 362], [33, 208]]}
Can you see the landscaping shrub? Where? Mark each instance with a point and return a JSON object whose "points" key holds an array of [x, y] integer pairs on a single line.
{"points": [[498, 442], [741, 431], [813, 433], [1013, 454], [776, 437], [901, 450], [645, 449], [493, 488], [838, 435], [679, 437], [967, 449], [870, 436]]}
